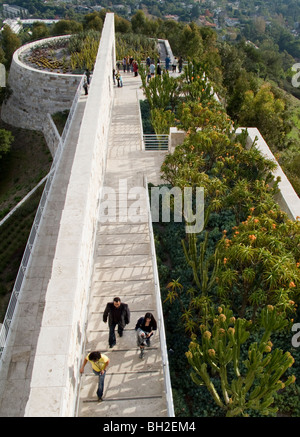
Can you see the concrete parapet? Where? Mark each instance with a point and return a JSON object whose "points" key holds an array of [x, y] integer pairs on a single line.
{"points": [[55, 375], [176, 137]]}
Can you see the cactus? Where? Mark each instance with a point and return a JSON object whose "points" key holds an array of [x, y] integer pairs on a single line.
{"points": [[200, 266], [219, 351]]}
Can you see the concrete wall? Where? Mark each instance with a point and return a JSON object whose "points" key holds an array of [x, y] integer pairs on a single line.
{"points": [[287, 198], [64, 317], [36, 93]]}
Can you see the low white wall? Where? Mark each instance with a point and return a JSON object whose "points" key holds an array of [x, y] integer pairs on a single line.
{"points": [[61, 337], [287, 198]]}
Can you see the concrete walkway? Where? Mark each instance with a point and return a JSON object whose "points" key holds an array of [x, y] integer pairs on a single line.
{"points": [[123, 267]]}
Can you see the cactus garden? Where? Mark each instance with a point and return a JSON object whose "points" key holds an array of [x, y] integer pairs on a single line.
{"points": [[230, 292], [65, 55]]}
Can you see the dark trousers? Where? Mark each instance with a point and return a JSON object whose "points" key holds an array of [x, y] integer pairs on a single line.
{"points": [[112, 336]]}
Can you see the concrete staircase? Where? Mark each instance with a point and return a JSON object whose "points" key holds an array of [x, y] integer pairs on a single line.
{"points": [[123, 267]]}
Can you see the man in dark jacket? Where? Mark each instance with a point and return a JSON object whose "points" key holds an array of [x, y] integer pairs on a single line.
{"points": [[117, 313]]}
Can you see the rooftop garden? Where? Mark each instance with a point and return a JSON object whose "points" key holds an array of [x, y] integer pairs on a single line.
{"points": [[65, 55]]}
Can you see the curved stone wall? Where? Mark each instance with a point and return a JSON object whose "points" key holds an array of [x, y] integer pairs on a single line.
{"points": [[36, 93]]}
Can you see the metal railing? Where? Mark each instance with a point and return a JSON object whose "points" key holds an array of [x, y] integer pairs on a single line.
{"points": [[27, 255], [158, 142], [160, 316]]}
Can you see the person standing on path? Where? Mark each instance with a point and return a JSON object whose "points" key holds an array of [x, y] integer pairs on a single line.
{"points": [[117, 313], [85, 86], [158, 69], [135, 68], [180, 64], [174, 65], [152, 69], [99, 364], [167, 61], [88, 76]]}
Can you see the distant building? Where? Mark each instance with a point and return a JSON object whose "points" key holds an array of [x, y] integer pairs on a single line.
{"points": [[15, 25], [97, 8], [202, 21], [13, 11], [81, 9]]}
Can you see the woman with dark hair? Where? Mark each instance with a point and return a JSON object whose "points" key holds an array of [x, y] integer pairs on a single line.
{"points": [[144, 328]]}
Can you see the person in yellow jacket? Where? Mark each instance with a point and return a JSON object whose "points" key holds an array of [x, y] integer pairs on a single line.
{"points": [[99, 363]]}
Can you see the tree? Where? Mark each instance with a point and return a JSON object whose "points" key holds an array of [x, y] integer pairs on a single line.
{"points": [[191, 44], [93, 21], [10, 43], [266, 112], [139, 22], [65, 27], [235, 98], [248, 384], [39, 31], [122, 25]]}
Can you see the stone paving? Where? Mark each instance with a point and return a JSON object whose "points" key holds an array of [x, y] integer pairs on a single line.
{"points": [[123, 267]]}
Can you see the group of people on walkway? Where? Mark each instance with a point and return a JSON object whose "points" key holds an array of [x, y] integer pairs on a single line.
{"points": [[157, 68], [129, 64], [117, 313]]}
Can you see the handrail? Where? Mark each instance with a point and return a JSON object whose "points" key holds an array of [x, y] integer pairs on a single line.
{"points": [[27, 255], [160, 317]]}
